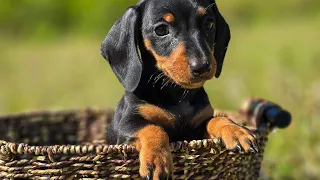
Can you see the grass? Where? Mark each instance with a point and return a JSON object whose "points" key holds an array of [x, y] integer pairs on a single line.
{"points": [[278, 61]]}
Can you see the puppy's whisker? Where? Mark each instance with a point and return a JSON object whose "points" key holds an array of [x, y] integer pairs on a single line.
{"points": [[210, 6], [163, 81], [159, 76], [157, 79], [165, 84], [184, 95], [152, 76]]}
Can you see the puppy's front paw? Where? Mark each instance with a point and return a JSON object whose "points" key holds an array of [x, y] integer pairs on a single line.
{"points": [[234, 137], [156, 164], [155, 155]]}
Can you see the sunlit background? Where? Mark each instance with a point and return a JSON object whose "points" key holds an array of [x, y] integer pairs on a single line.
{"points": [[50, 59]]}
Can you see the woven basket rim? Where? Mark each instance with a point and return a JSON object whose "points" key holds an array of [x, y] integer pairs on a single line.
{"points": [[102, 147], [99, 146]]}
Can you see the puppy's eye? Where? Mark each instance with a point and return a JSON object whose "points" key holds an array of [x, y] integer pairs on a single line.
{"points": [[209, 23], [162, 30]]}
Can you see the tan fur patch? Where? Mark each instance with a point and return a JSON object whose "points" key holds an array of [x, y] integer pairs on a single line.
{"points": [[156, 114], [202, 11], [147, 44], [169, 18], [202, 116], [154, 150]]}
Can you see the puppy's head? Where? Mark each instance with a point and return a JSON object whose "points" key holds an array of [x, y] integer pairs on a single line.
{"points": [[187, 38]]}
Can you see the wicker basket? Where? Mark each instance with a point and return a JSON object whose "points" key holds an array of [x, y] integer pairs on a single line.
{"points": [[69, 145]]}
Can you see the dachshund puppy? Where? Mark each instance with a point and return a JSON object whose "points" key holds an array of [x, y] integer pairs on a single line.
{"points": [[163, 52]]}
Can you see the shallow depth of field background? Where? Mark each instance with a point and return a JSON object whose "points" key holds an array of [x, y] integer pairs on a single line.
{"points": [[50, 59]]}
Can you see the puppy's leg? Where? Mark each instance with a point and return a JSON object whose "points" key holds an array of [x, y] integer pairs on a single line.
{"points": [[233, 136], [152, 142]]}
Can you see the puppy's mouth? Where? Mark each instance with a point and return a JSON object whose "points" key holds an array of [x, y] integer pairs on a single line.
{"points": [[191, 85], [191, 82], [197, 82]]}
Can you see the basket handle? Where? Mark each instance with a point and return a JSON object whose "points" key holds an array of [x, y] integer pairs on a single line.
{"points": [[259, 111]]}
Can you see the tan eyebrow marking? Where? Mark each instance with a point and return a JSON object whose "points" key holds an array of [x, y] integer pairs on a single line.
{"points": [[169, 18], [202, 11]]}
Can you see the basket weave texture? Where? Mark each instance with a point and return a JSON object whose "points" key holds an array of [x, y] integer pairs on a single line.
{"points": [[69, 145]]}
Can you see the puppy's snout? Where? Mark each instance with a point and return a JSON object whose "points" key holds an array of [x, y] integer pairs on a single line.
{"points": [[200, 68]]}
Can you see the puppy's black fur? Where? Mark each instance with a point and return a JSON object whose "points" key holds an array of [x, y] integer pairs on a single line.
{"points": [[162, 52]]}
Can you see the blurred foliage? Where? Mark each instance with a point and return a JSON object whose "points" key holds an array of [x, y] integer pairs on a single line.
{"points": [[38, 18], [49, 18], [274, 54]]}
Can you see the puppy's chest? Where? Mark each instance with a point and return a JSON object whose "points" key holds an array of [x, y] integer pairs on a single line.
{"points": [[182, 117]]}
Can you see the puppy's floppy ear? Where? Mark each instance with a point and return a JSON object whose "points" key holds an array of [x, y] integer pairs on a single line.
{"points": [[120, 48], [222, 38]]}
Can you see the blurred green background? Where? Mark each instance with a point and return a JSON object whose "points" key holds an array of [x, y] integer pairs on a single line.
{"points": [[50, 59]]}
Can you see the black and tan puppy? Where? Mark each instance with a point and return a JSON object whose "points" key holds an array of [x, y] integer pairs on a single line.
{"points": [[163, 51]]}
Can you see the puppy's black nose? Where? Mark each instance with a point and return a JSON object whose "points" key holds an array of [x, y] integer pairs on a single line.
{"points": [[199, 68]]}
